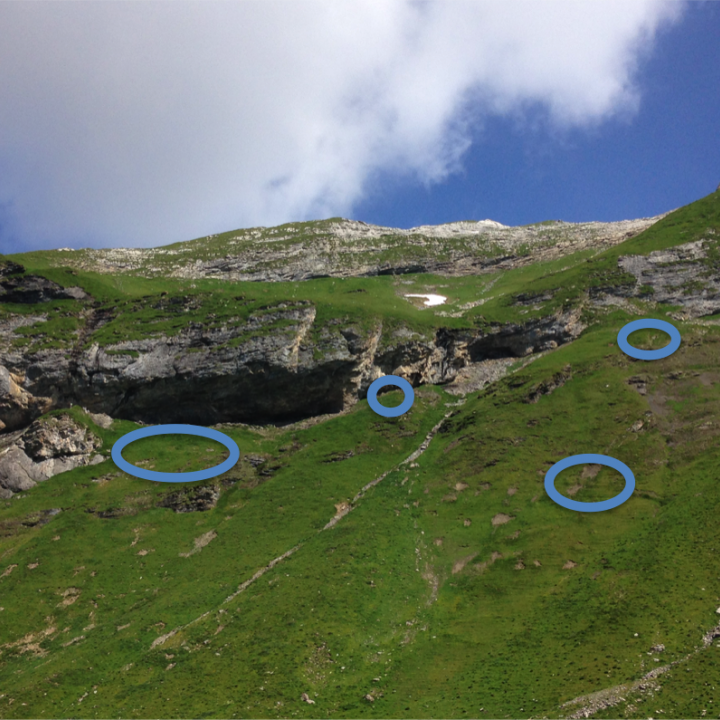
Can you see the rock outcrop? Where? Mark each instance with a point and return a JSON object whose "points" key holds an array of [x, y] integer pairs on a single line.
{"points": [[196, 498], [346, 248], [7, 267], [677, 276], [46, 448], [249, 374], [36, 289], [18, 407]]}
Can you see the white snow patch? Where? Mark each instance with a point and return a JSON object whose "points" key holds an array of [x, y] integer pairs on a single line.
{"points": [[430, 300]]}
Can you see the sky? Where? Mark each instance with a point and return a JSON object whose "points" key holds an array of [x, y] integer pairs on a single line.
{"points": [[141, 124]]}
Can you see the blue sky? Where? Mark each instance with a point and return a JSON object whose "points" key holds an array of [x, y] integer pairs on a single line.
{"points": [[524, 170], [141, 124]]}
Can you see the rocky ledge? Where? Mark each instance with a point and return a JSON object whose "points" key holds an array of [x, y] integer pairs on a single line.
{"points": [[46, 448], [27, 289], [285, 369], [677, 276], [348, 248]]}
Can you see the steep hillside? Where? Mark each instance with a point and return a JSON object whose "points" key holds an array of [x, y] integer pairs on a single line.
{"points": [[346, 248], [352, 565]]}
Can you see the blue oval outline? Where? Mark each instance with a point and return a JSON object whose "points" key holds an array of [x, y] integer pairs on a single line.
{"points": [[155, 476], [402, 408], [663, 325], [572, 460]]}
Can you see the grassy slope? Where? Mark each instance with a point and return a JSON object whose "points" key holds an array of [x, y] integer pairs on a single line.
{"points": [[277, 241], [356, 602]]}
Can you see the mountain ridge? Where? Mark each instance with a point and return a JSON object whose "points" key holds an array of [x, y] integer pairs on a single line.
{"points": [[352, 565], [348, 248]]}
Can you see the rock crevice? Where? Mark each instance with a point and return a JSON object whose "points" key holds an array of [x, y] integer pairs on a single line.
{"points": [[207, 376]]}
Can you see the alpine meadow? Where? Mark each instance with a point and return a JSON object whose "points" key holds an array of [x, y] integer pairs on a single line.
{"points": [[352, 565]]}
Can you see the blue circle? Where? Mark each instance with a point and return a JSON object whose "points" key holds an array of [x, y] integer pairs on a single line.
{"points": [[401, 409], [666, 327], [175, 430], [623, 469]]}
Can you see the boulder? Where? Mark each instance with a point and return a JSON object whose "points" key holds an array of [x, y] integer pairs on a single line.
{"points": [[8, 267], [192, 499], [35, 289], [48, 447]]}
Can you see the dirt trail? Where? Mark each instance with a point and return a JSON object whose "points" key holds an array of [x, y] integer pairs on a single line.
{"points": [[609, 697], [345, 509]]}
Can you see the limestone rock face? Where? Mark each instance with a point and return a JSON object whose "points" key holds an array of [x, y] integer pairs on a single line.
{"points": [[242, 374], [677, 277], [46, 448], [18, 407], [280, 363], [58, 437], [348, 248]]}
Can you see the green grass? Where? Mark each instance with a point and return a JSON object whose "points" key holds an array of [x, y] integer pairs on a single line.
{"points": [[419, 597], [143, 308], [360, 594]]}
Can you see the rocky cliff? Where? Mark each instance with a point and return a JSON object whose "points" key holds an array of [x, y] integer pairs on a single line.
{"points": [[345, 558], [201, 376], [348, 248], [289, 359]]}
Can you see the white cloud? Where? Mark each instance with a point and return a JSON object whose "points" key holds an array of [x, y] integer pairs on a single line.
{"points": [[147, 123]]}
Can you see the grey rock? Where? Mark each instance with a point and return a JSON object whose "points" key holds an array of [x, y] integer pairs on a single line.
{"points": [[57, 437], [246, 374], [47, 448], [101, 420], [192, 499], [17, 470], [7, 267], [35, 289], [677, 276], [18, 407]]}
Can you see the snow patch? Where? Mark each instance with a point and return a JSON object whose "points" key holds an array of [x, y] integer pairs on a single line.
{"points": [[430, 299]]}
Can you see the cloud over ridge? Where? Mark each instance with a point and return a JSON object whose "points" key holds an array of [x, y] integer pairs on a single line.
{"points": [[147, 123]]}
